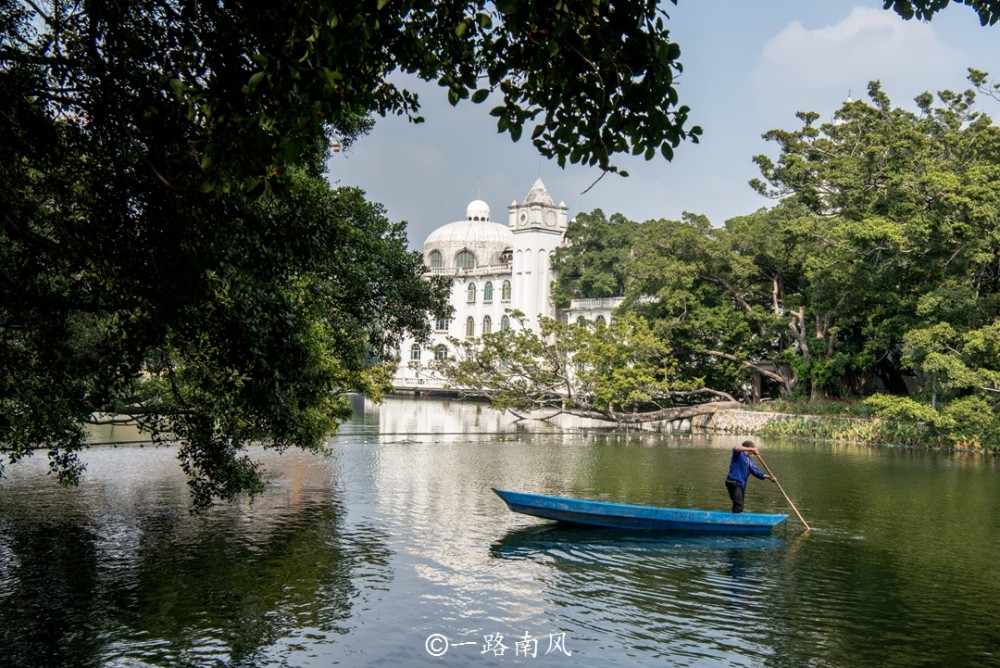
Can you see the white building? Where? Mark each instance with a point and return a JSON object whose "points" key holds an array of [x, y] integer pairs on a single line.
{"points": [[495, 267]]}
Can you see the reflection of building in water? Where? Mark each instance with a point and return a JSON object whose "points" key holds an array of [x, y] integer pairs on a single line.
{"points": [[459, 420], [495, 268], [413, 417]]}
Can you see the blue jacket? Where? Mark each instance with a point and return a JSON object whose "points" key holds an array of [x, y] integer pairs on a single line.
{"points": [[740, 468]]}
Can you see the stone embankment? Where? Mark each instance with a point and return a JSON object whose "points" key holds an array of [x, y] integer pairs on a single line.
{"points": [[742, 422], [726, 422]]}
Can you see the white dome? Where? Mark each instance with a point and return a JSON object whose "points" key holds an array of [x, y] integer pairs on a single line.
{"points": [[471, 232], [483, 238], [477, 210]]}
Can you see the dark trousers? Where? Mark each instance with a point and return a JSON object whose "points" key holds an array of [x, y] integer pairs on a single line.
{"points": [[735, 490]]}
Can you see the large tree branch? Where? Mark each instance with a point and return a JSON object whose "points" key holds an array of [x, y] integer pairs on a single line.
{"points": [[737, 297], [718, 280], [49, 20], [797, 325], [787, 383], [676, 413]]}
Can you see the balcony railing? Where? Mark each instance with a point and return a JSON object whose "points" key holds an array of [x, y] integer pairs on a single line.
{"points": [[482, 270], [595, 303]]}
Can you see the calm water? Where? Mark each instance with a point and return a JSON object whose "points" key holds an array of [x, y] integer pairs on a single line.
{"points": [[394, 547]]}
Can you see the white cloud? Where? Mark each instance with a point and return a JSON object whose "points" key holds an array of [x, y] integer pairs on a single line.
{"points": [[868, 44]]}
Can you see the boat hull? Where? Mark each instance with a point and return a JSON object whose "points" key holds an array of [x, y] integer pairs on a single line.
{"points": [[636, 518]]}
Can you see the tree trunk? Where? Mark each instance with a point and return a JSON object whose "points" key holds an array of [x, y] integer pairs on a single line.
{"points": [[679, 413], [787, 383]]}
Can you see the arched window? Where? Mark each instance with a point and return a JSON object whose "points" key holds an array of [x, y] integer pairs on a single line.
{"points": [[415, 352], [505, 292], [581, 320], [436, 260], [487, 325], [505, 324], [441, 352], [488, 292], [470, 326], [441, 325], [465, 260], [472, 293], [600, 320]]}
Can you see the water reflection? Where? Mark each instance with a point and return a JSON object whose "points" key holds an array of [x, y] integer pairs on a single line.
{"points": [[550, 538], [358, 559], [89, 580], [673, 595], [452, 420]]}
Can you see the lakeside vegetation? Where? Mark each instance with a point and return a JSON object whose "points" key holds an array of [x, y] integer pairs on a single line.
{"points": [[968, 423]]}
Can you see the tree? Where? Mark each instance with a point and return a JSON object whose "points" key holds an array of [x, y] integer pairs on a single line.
{"points": [[593, 261], [151, 145], [988, 10], [953, 363], [905, 204], [720, 296], [621, 372], [703, 296]]}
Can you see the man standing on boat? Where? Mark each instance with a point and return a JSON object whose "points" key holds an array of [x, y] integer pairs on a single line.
{"points": [[740, 469]]}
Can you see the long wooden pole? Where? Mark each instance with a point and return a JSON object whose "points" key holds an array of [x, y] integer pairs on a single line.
{"points": [[801, 519]]}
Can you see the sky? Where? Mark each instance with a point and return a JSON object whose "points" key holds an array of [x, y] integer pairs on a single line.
{"points": [[748, 68]]}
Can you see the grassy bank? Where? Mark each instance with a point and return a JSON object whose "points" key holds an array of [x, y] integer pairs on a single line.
{"points": [[964, 424]]}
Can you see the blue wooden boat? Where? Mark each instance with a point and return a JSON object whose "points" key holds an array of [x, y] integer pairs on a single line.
{"points": [[636, 518]]}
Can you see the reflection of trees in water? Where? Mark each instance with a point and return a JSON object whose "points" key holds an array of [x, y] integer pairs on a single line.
{"points": [[50, 599], [174, 589], [247, 593]]}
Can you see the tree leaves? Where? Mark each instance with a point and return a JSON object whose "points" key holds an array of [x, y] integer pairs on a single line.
{"points": [[905, 209], [988, 10], [182, 259]]}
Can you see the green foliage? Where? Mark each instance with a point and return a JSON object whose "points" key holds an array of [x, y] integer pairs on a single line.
{"points": [[871, 431], [594, 262], [903, 238], [878, 265], [988, 10], [589, 68], [967, 422], [710, 293], [620, 368], [973, 423], [896, 408], [822, 407], [301, 302], [516, 369], [953, 363]]}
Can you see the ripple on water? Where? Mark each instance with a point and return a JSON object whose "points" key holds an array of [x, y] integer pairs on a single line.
{"points": [[357, 559]]}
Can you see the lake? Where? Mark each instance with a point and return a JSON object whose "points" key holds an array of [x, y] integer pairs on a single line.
{"points": [[393, 550]]}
